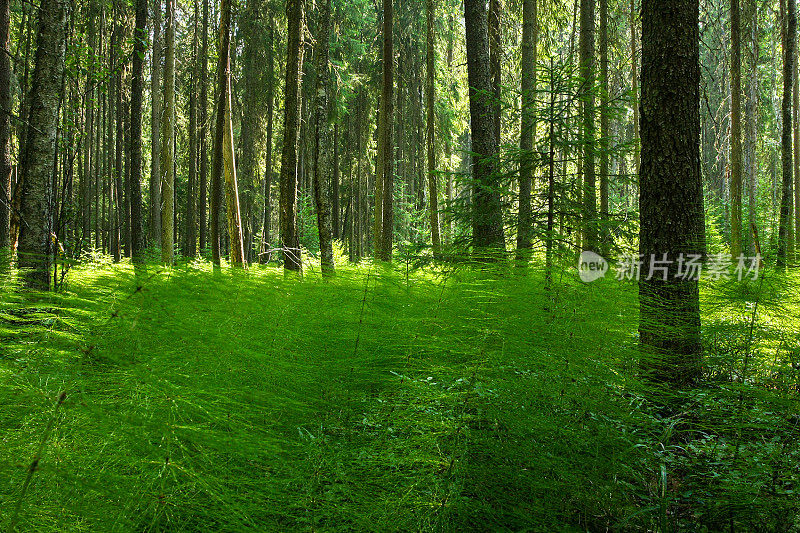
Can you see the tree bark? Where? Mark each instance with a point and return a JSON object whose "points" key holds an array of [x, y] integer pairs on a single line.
{"points": [[487, 216], [430, 99], [37, 160], [155, 130], [786, 137], [137, 86], [5, 128], [605, 117], [671, 194], [736, 131], [203, 200], [291, 137], [587, 75], [384, 179], [527, 134], [324, 145], [168, 140]]}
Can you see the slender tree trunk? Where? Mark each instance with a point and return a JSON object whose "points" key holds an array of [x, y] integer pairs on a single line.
{"points": [[291, 137], [736, 131], [5, 128], [671, 193], [635, 90], [751, 126], [168, 140], [495, 65], [527, 134], [335, 189], [155, 130], [37, 160], [587, 51], [786, 137], [203, 201], [116, 101], [137, 86], [384, 189], [324, 144], [266, 238], [190, 245], [430, 99], [605, 112], [487, 216]]}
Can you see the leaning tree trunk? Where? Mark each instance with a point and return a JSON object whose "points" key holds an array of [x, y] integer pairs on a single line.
{"points": [[228, 158], [671, 193], [291, 136], [487, 215], [168, 140], [430, 100], [324, 150], [786, 137], [37, 160], [527, 134]]}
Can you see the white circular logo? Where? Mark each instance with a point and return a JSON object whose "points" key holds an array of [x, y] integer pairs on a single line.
{"points": [[591, 266]]}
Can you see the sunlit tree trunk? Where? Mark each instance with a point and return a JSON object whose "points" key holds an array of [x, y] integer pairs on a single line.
{"points": [[37, 160], [527, 134], [155, 130], [137, 86], [430, 99]]}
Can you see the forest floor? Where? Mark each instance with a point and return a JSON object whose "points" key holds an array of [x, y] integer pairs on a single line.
{"points": [[383, 400]]}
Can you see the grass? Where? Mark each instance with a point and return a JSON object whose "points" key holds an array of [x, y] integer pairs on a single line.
{"points": [[384, 400]]}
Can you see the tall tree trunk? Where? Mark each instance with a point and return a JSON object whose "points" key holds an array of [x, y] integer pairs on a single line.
{"points": [[203, 201], [384, 178], [324, 145], [671, 193], [527, 134], [786, 137], [736, 131], [605, 112], [495, 65], [335, 189], [266, 238], [430, 99], [116, 101], [228, 158], [487, 216], [291, 137], [635, 90], [190, 244], [751, 125], [155, 130], [168, 140], [37, 160], [587, 75], [137, 86], [5, 127]]}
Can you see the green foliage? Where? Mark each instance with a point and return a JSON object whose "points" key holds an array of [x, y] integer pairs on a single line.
{"points": [[386, 400]]}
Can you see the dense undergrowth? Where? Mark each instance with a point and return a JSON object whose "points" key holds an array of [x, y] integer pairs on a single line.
{"points": [[384, 400]]}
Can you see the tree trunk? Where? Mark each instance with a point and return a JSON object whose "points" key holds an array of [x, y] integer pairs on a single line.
{"points": [[605, 117], [291, 137], [5, 128], [635, 90], [786, 137], [203, 201], [37, 161], [384, 178], [137, 86], [324, 145], [527, 134], [168, 140], [487, 216], [430, 99], [190, 238], [266, 238], [736, 132], [671, 193], [587, 51], [155, 130], [751, 125]]}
